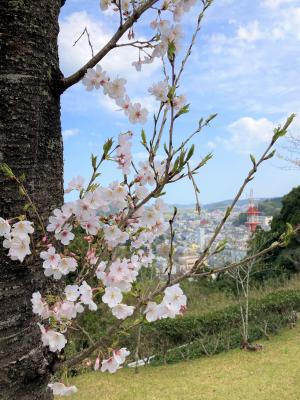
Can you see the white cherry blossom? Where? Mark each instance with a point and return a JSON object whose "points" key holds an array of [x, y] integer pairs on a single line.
{"points": [[86, 296], [65, 235], [124, 103], [50, 257], [59, 389], [112, 296], [122, 311], [18, 247], [160, 91], [4, 227], [39, 306], [55, 340], [121, 355], [116, 88], [72, 292], [75, 184], [111, 365], [100, 271], [137, 114], [67, 264], [22, 229], [152, 312], [104, 4]]}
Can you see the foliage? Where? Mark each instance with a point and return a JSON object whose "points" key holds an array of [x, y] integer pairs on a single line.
{"points": [[271, 207], [193, 336], [284, 260], [241, 219]]}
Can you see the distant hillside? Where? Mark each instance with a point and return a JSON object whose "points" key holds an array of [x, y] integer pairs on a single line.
{"points": [[224, 204], [268, 206], [271, 206], [213, 206]]}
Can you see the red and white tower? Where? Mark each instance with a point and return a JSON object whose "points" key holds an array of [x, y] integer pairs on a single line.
{"points": [[252, 214]]}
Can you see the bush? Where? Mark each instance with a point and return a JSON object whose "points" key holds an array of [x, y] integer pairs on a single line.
{"points": [[193, 336]]}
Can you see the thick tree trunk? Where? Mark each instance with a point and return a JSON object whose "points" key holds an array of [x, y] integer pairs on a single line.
{"points": [[30, 143]]}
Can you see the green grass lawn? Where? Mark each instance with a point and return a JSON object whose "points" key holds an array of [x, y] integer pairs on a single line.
{"points": [[272, 374]]}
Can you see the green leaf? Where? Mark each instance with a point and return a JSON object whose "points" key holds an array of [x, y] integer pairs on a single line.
{"points": [[190, 153], [26, 207], [211, 117], [270, 155], [253, 160], [181, 158], [6, 170], [21, 191], [166, 149], [94, 161], [204, 161], [22, 178], [220, 246], [183, 110], [107, 146], [281, 131], [171, 50], [144, 139], [171, 93]]}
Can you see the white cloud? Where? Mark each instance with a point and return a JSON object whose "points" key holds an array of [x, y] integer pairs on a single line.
{"points": [[273, 4], [70, 133], [211, 145], [290, 23], [248, 133], [117, 62], [251, 32]]}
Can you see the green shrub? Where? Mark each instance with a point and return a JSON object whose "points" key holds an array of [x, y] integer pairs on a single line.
{"points": [[188, 337]]}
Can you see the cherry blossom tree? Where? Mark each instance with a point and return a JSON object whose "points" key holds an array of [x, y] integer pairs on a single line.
{"points": [[37, 227]]}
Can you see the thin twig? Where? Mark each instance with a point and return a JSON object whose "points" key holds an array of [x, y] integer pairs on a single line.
{"points": [[111, 44], [85, 31]]}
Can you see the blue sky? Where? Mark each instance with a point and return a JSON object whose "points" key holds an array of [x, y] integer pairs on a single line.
{"points": [[245, 67]]}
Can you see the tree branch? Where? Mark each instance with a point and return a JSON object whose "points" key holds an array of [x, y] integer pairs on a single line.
{"points": [[77, 76]]}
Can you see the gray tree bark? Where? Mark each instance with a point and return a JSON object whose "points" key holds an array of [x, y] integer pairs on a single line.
{"points": [[30, 143]]}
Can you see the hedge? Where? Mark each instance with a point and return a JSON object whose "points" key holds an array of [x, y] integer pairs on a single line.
{"points": [[189, 337]]}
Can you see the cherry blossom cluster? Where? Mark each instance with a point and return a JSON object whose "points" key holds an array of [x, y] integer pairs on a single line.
{"points": [[96, 78], [169, 35], [115, 277], [100, 213], [16, 238], [113, 363], [124, 156], [173, 303], [160, 91]]}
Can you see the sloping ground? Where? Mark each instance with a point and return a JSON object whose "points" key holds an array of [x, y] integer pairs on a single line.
{"points": [[272, 374]]}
